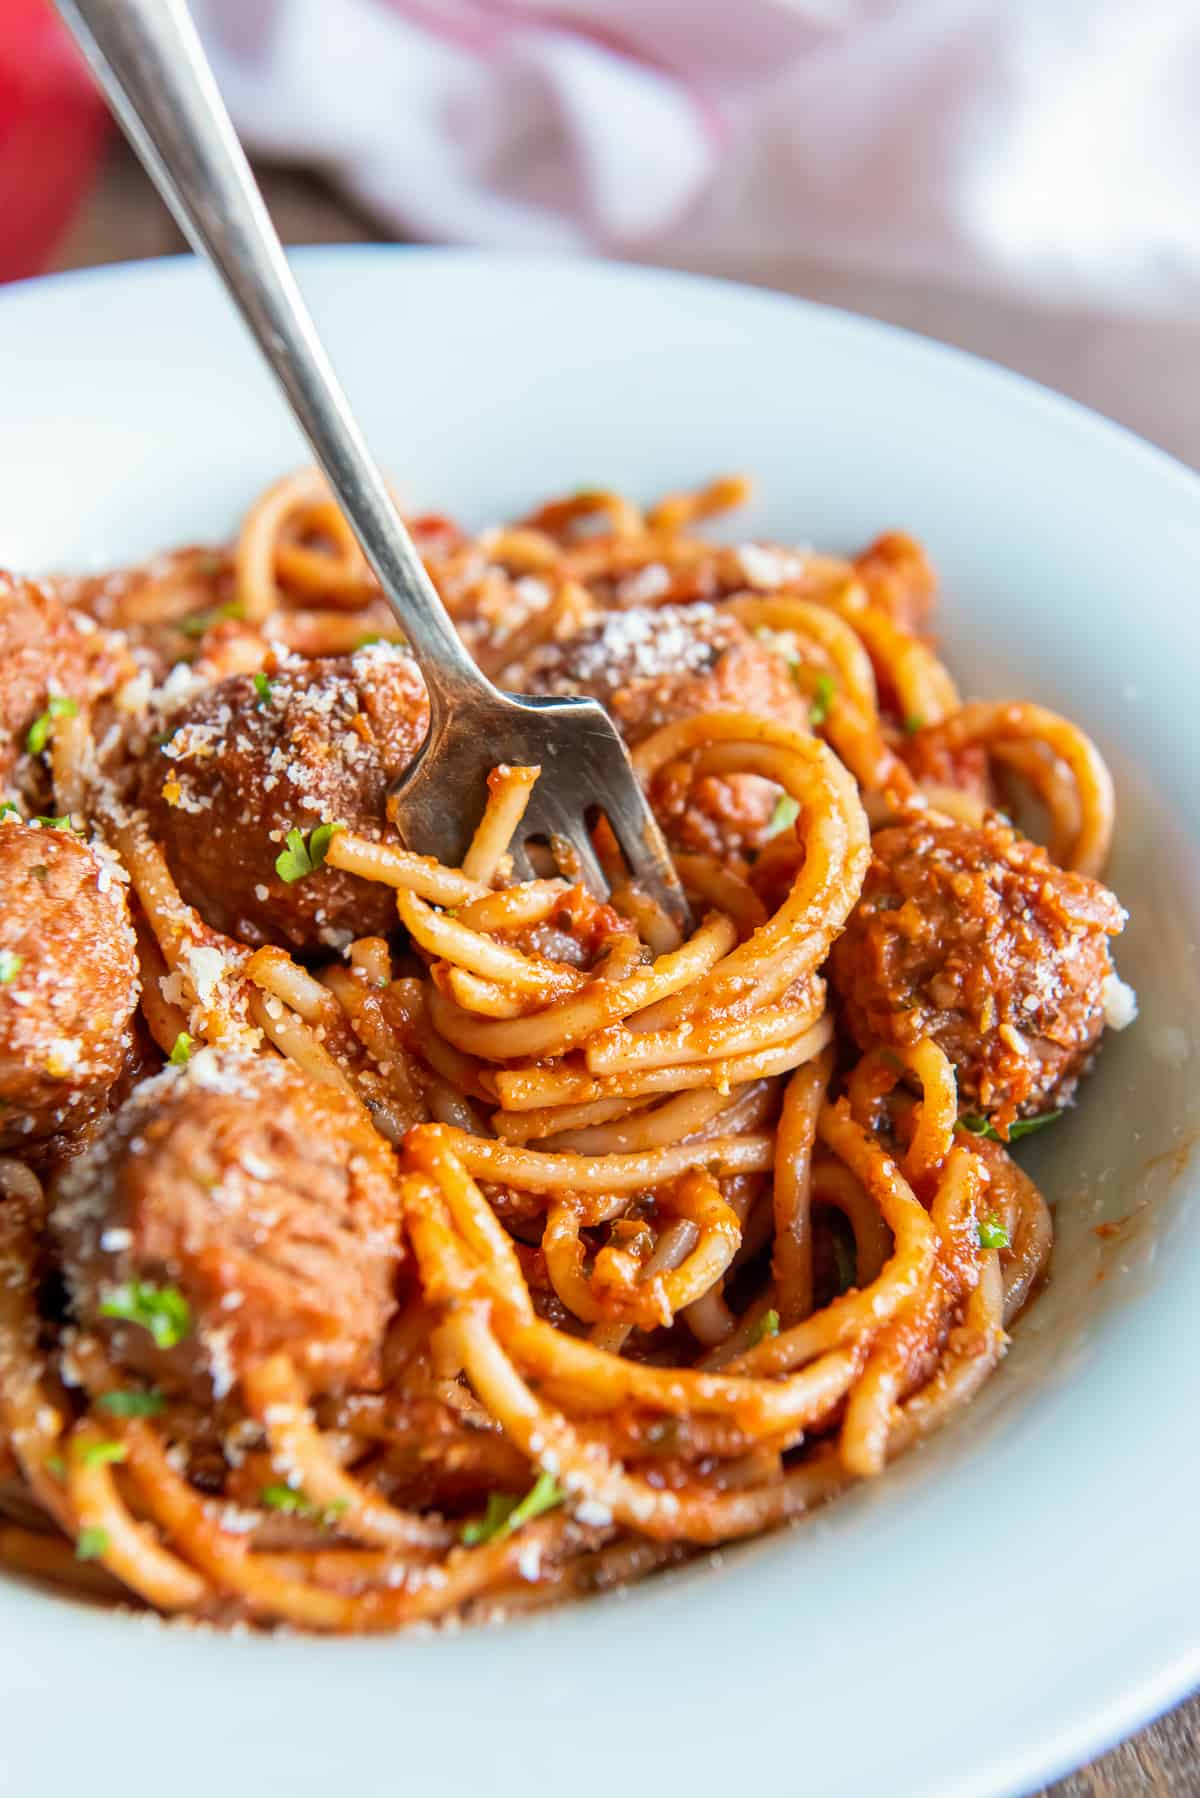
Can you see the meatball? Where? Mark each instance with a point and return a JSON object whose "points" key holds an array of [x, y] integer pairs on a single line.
{"points": [[68, 982], [250, 1209], [975, 938], [242, 764], [46, 649], [651, 666]]}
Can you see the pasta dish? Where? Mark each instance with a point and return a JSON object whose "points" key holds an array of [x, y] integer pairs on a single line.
{"points": [[389, 1243]]}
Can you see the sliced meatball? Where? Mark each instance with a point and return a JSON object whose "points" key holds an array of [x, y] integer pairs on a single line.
{"points": [[251, 1210], [651, 666], [46, 649], [240, 765], [975, 938], [68, 982]]}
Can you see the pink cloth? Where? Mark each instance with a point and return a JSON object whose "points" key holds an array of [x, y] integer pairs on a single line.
{"points": [[1045, 149], [52, 126]]}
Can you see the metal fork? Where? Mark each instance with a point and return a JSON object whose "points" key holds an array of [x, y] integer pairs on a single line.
{"points": [[148, 59]]}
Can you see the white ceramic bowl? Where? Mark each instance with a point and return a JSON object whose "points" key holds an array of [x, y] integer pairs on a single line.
{"points": [[1023, 1590]]}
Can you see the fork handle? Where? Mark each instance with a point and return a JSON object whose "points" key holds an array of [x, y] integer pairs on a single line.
{"points": [[147, 57]]}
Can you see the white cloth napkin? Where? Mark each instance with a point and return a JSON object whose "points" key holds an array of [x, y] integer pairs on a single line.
{"points": [[892, 153]]}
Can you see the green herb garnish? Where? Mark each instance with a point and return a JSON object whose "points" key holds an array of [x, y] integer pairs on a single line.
{"points": [[767, 1325], [200, 622], [500, 1507], [294, 1503], [55, 1466], [506, 1514], [913, 723], [1026, 1126], [181, 1050], [10, 965], [66, 822], [981, 1126], [786, 811], [262, 687], [100, 1454], [992, 1234], [91, 1544], [131, 1404], [303, 856], [9, 810], [61, 705], [822, 699], [284, 1498], [162, 1310]]}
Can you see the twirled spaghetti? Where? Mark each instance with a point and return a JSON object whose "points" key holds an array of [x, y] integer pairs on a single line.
{"points": [[410, 1242]]}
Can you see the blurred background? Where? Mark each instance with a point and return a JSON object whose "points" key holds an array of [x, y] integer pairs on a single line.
{"points": [[1020, 177]]}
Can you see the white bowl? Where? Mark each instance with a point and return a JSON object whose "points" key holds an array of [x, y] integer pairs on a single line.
{"points": [[1023, 1590]]}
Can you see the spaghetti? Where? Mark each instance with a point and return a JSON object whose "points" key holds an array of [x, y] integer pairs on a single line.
{"points": [[449, 1245]]}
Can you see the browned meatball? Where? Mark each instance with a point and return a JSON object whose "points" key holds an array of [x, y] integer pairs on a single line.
{"points": [[651, 666], [68, 981], [252, 1210], [46, 649], [242, 765], [975, 938]]}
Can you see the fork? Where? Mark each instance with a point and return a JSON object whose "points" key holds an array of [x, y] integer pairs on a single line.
{"points": [[147, 57]]}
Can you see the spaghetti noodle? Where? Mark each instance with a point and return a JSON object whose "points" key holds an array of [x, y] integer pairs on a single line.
{"points": [[450, 1245]]}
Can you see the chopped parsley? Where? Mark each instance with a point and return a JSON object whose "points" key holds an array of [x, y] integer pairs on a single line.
{"points": [[9, 810], [294, 1503], [506, 1514], [162, 1310], [201, 622], [369, 637], [1027, 1126], [992, 1234], [55, 1466], [913, 723], [100, 1454], [90, 1544], [981, 1126], [304, 856], [66, 822], [181, 1050], [284, 1498], [131, 1404], [822, 699], [500, 1507], [787, 810], [767, 1325], [262, 686], [10, 965], [61, 705]]}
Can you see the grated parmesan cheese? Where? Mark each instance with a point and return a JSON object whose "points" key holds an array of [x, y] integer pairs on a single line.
{"points": [[1120, 1003]]}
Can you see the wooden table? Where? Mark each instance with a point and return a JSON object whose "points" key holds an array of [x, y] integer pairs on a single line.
{"points": [[123, 220]]}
